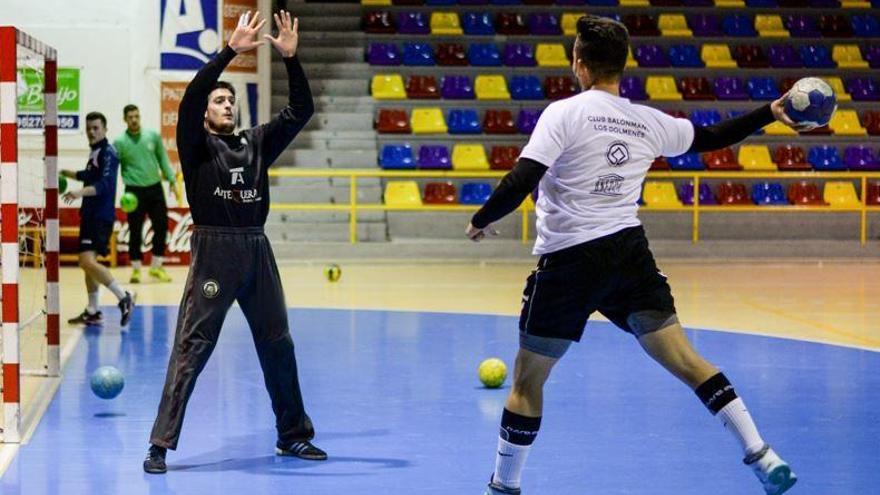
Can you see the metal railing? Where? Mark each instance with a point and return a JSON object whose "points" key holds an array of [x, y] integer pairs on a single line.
{"points": [[353, 206]]}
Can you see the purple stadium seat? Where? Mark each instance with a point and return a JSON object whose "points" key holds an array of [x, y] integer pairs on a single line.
{"points": [[519, 55], [571, 2], [802, 26], [413, 23], [651, 56], [784, 57], [730, 88], [739, 25], [633, 88], [705, 25], [825, 4], [383, 54], [526, 120], [544, 24], [698, 3], [864, 89], [686, 194], [872, 55], [761, 3], [860, 158], [473, 2], [434, 157], [457, 88]]}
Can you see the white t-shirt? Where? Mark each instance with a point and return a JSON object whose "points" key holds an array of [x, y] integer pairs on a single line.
{"points": [[598, 148]]}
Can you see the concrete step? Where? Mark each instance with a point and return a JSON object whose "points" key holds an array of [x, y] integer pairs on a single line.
{"points": [[322, 71], [339, 121], [331, 54], [324, 232], [322, 23], [310, 10], [322, 158]]}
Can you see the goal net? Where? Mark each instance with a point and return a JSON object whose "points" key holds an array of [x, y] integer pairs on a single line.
{"points": [[28, 221]]}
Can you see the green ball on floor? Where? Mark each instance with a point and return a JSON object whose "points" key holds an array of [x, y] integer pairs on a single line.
{"points": [[492, 372]]}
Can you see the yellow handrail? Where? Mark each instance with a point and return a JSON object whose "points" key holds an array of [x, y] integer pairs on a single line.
{"points": [[354, 174]]}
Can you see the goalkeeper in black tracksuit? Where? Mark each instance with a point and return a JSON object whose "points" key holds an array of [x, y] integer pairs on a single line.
{"points": [[227, 185]]}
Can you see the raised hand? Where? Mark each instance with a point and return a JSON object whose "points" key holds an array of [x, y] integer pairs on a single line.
{"points": [[288, 34], [243, 38]]}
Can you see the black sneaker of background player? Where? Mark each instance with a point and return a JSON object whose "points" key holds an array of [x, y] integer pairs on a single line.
{"points": [[126, 306], [86, 318]]}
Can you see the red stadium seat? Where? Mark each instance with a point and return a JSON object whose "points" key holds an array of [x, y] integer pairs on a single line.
{"points": [[558, 87], [721, 160], [422, 87], [732, 194], [510, 23], [873, 196], [379, 22], [790, 158], [696, 88], [451, 54], [751, 57], [499, 122], [392, 121], [805, 194], [641, 25], [871, 122], [659, 164], [440, 193], [503, 157]]}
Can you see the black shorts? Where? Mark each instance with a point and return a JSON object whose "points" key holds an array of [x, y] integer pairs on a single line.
{"points": [[94, 235], [615, 275]]}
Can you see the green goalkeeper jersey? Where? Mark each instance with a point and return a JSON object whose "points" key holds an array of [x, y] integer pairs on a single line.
{"points": [[141, 156]]}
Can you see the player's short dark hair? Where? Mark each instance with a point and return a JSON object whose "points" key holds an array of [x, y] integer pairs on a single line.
{"points": [[131, 107], [97, 116], [223, 85], [602, 44]]}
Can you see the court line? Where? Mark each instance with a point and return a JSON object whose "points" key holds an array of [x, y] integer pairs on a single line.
{"points": [[874, 343]]}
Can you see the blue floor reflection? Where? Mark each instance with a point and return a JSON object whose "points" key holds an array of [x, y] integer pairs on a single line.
{"points": [[397, 405]]}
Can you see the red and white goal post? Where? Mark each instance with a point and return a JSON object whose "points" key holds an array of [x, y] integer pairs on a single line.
{"points": [[28, 223]]}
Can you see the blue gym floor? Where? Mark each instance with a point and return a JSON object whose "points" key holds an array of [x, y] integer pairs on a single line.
{"points": [[397, 405]]}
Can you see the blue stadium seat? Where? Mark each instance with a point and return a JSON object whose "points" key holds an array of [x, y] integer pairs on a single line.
{"points": [[866, 26], [768, 194], [739, 25], [685, 56], [463, 121], [477, 23], [475, 193], [418, 54], [687, 161], [525, 88], [397, 157], [817, 57], [763, 88], [484, 55], [825, 159], [703, 118]]}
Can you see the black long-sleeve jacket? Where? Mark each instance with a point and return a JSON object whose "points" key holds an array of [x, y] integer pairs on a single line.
{"points": [[226, 176]]}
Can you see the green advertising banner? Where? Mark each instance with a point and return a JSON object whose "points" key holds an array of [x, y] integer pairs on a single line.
{"points": [[31, 104]]}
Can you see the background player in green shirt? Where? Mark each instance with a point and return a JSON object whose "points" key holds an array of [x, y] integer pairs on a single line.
{"points": [[141, 156]]}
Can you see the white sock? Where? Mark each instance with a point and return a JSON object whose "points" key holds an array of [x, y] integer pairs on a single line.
{"points": [[92, 308], [509, 462], [116, 289], [736, 418], [136, 264], [157, 262]]}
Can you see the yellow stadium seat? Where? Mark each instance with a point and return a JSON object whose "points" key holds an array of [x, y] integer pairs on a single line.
{"points": [[674, 25], [846, 123], [855, 4], [551, 55], [388, 87], [402, 193], [848, 57], [841, 195], [445, 23], [634, 3], [631, 59], [469, 157], [730, 3], [382, 3], [717, 56], [836, 84], [779, 129], [491, 88], [569, 22], [770, 26], [755, 157], [428, 121], [662, 88], [660, 194]]}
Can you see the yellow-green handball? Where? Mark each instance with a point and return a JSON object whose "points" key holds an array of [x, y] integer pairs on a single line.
{"points": [[128, 202], [332, 272], [493, 372]]}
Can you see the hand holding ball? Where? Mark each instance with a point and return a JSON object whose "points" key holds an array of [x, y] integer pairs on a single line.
{"points": [[810, 103]]}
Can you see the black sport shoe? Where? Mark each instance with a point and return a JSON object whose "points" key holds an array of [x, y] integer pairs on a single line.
{"points": [[495, 488], [126, 306], [86, 318], [303, 450], [155, 461]]}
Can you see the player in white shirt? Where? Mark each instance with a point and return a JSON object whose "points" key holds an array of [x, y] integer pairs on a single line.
{"points": [[589, 155]]}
